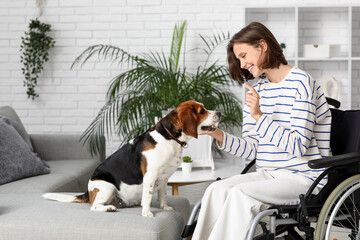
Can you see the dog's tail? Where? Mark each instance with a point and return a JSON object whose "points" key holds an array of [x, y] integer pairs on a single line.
{"points": [[83, 198]]}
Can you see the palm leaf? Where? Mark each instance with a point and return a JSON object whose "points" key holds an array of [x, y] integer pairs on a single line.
{"points": [[100, 126], [155, 82], [106, 52], [213, 42], [175, 50]]}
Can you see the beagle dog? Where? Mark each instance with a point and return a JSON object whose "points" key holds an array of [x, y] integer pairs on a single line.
{"points": [[131, 175]]}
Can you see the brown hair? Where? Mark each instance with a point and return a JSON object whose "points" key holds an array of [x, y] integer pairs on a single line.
{"points": [[252, 34]]}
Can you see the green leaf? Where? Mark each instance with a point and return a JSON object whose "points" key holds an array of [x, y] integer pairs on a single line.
{"points": [[156, 82], [107, 52], [34, 47], [176, 43]]}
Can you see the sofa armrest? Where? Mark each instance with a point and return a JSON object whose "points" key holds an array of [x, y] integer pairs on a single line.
{"points": [[63, 147]]}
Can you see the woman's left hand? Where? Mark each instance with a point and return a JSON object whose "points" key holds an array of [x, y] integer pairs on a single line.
{"points": [[253, 102]]}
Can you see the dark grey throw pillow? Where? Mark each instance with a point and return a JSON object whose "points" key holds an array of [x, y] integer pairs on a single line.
{"points": [[21, 130], [16, 158]]}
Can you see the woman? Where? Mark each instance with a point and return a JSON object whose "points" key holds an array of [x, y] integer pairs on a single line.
{"points": [[286, 123]]}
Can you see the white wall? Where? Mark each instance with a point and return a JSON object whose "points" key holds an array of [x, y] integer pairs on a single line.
{"points": [[70, 99]]}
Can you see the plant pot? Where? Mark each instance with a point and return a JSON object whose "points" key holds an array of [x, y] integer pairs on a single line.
{"points": [[186, 167]]}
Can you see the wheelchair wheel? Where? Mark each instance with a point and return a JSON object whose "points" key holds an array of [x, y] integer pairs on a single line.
{"points": [[340, 215]]}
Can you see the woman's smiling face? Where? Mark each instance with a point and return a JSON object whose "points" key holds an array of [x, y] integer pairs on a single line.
{"points": [[250, 57]]}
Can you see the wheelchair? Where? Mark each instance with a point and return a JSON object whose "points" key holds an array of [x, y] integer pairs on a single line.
{"points": [[333, 213]]}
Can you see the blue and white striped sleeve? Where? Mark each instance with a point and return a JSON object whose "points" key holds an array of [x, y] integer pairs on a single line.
{"points": [[245, 147]]}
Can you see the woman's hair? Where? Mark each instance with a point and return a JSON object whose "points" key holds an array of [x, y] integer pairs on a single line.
{"points": [[252, 34]]}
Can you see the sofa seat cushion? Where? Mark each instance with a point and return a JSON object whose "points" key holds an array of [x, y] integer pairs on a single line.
{"points": [[32, 217], [66, 175]]}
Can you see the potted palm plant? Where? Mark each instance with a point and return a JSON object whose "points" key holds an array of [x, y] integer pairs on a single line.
{"points": [[156, 82]]}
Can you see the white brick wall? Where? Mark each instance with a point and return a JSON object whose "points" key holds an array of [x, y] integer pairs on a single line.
{"points": [[70, 99]]}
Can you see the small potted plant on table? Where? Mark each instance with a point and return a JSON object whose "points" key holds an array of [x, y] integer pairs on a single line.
{"points": [[186, 164]]}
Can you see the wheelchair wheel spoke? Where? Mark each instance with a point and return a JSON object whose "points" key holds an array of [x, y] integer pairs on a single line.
{"points": [[339, 218], [354, 205], [341, 211], [348, 218]]}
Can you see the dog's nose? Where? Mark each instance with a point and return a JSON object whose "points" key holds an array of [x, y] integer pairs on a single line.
{"points": [[218, 114]]}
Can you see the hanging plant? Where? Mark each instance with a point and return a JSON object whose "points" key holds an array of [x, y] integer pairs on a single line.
{"points": [[35, 48]]}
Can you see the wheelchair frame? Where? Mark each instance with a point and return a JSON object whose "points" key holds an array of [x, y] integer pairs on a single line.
{"points": [[345, 168], [310, 206], [300, 215]]}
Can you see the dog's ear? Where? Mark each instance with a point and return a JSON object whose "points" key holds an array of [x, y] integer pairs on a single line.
{"points": [[188, 122]]}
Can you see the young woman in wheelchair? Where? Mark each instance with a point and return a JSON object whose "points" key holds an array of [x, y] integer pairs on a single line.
{"points": [[286, 123]]}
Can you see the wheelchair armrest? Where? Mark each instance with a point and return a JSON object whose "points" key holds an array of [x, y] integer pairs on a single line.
{"points": [[343, 159]]}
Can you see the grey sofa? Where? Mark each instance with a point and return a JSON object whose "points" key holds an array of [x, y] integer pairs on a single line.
{"points": [[24, 214]]}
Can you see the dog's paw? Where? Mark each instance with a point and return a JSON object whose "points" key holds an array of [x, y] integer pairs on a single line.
{"points": [[103, 208], [147, 214], [168, 208], [111, 208]]}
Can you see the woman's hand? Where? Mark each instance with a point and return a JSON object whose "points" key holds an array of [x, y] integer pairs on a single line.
{"points": [[217, 134], [253, 102]]}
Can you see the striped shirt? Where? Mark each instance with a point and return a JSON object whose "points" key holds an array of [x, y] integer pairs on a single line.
{"points": [[294, 127]]}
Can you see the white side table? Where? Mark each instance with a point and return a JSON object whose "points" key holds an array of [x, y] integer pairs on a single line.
{"points": [[223, 169]]}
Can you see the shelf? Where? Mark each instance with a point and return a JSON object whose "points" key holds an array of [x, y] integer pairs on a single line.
{"points": [[332, 25], [323, 59]]}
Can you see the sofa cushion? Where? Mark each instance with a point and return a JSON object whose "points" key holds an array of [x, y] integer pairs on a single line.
{"points": [[10, 113], [16, 158], [29, 216]]}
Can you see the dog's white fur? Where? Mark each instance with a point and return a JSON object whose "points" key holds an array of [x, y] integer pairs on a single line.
{"points": [[162, 162]]}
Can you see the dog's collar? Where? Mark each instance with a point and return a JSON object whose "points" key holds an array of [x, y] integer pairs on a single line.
{"points": [[182, 144]]}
